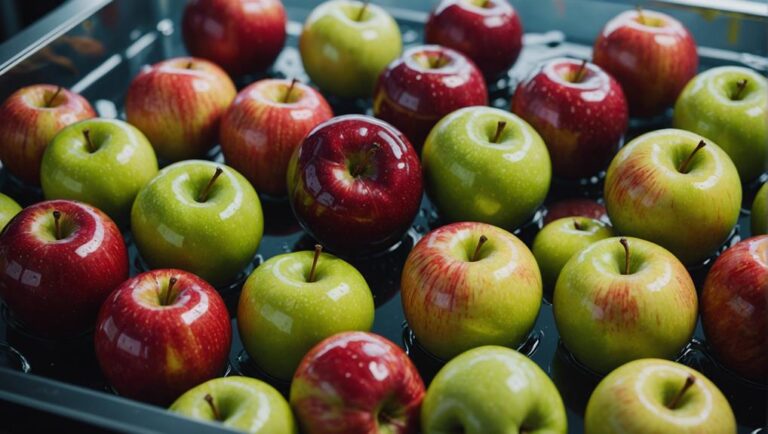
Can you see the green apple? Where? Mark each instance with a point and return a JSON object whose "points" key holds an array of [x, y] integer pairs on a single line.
{"points": [[559, 240], [102, 162], [728, 106], [241, 403], [293, 301], [759, 214], [198, 216], [492, 389], [676, 189], [8, 209], [622, 299], [346, 44], [487, 165], [658, 396]]}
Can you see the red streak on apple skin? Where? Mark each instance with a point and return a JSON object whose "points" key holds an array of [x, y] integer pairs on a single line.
{"points": [[636, 185], [618, 306]]}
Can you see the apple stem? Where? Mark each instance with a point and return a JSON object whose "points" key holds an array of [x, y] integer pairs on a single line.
{"points": [[580, 72], [499, 130], [290, 88], [625, 243], [577, 225], [209, 399], [53, 97], [640, 15], [480, 243], [739, 89], [438, 61], [687, 385], [57, 224], [684, 165], [318, 250], [88, 142], [357, 170], [204, 194], [362, 11], [171, 283]]}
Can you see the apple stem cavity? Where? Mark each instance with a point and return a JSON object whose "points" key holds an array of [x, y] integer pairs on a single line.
{"points": [[318, 251], [362, 11], [499, 130], [740, 86], [168, 292], [209, 399], [479, 246], [53, 97], [189, 65], [439, 61], [290, 88], [687, 385], [580, 72], [640, 15], [684, 165], [577, 225], [88, 142], [204, 194], [625, 244], [363, 163], [57, 224]]}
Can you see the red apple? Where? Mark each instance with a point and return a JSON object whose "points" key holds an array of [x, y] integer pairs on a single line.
{"points": [[177, 104], [243, 36], [576, 208], [487, 31], [651, 54], [580, 112], [354, 184], [60, 260], [734, 308], [29, 119], [354, 383], [425, 84], [263, 127], [161, 333]]}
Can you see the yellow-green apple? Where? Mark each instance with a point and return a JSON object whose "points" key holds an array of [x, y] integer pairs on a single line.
{"points": [[651, 54], [8, 209], [354, 184], [199, 216], [31, 117], [357, 382], [656, 185], [492, 389], [161, 333], [60, 260], [295, 300], [103, 162], [759, 212], [241, 36], [622, 299], [580, 112], [734, 308], [487, 165], [575, 207], [470, 284], [345, 44], [177, 104], [657, 396], [728, 106], [264, 125]]}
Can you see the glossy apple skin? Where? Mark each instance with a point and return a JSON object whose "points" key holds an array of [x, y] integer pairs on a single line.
{"points": [[347, 214], [178, 107], [281, 315], [576, 207], [734, 308], [606, 318], [28, 126], [706, 107], [466, 394], [633, 399], [759, 212], [651, 63], [8, 209], [412, 95], [154, 352], [477, 31], [241, 36], [56, 292], [357, 383], [251, 406], [689, 214], [259, 131], [581, 123]]}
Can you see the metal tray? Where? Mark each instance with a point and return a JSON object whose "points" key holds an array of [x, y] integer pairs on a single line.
{"points": [[95, 47]]}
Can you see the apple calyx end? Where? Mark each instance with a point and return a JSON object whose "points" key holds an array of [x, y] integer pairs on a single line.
{"points": [[687, 385], [625, 244], [50, 100], [57, 224], [740, 86], [206, 191], [209, 399], [683, 168], [315, 259], [479, 246], [499, 131]]}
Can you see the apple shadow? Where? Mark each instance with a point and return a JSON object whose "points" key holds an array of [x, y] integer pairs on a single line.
{"points": [[278, 217], [244, 365], [574, 381]]}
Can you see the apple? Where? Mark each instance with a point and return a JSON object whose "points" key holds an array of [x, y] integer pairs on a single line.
{"points": [[575, 207], [657, 396], [264, 125], [425, 84], [354, 184], [734, 308], [676, 189], [357, 382], [239, 403], [293, 301], [103, 162], [559, 240], [161, 333], [492, 389], [728, 105], [580, 112], [8, 209], [487, 31], [759, 213], [651, 54], [31, 117], [345, 44], [487, 165], [470, 284], [60, 260], [622, 299], [241, 36], [177, 104], [199, 216]]}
